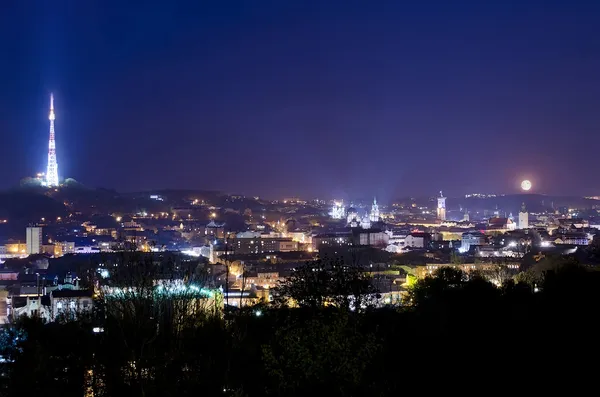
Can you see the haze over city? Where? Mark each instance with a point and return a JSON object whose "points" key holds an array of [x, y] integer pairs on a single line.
{"points": [[312, 98]]}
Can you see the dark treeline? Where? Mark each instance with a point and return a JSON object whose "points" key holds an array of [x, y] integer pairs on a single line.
{"points": [[457, 333]]}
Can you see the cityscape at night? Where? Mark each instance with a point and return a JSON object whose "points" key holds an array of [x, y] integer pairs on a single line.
{"points": [[288, 198]]}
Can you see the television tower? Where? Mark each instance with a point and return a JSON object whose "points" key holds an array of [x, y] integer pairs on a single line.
{"points": [[52, 171]]}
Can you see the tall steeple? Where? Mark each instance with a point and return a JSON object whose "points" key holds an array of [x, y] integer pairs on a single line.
{"points": [[441, 207], [523, 217], [374, 215], [52, 170]]}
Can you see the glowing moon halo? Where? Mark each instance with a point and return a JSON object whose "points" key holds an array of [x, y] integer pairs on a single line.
{"points": [[526, 185]]}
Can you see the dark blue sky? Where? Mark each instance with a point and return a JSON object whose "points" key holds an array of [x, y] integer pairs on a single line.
{"points": [[327, 98]]}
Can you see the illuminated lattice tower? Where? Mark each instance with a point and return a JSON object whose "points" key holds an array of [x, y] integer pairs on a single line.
{"points": [[52, 170]]}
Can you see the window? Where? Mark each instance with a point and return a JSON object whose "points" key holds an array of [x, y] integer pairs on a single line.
{"points": [[72, 305], [59, 305]]}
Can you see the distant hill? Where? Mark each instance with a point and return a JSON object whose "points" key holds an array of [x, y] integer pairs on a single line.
{"points": [[71, 183], [27, 206], [178, 195], [513, 202]]}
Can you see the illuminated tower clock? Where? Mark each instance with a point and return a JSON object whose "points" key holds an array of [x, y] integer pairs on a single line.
{"points": [[441, 207]]}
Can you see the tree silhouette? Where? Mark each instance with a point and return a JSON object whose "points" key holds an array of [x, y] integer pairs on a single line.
{"points": [[326, 354], [324, 281]]}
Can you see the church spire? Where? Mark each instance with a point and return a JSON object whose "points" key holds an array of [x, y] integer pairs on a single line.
{"points": [[374, 215]]}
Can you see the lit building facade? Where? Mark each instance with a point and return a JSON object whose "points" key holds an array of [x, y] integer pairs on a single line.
{"points": [[331, 240], [470, 239], [352, 217], [417, 240], [338, 211], [365, 222], [441, 207], [523, 218], [373, 238], [69, 302], [34, 240], [374, 216], [244, 246]]}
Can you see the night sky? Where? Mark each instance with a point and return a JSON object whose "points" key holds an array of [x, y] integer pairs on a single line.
{"points": [[309, 98]]}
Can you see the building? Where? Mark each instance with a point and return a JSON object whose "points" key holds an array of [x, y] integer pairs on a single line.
{"points": [[69, 302], [58, 249], [374, 216], [441, 207], [523, 218], [300, 236], [86, 250], [472, 239], [15, 249], [132, 226], [34, 240], [430, 268], [365, 223], [264, 278], [331, 240], [337, 210], [253, 245], [572, 223], [417, 240], [30, 306], [352, 217], [287, 245], [63, 247], [7, 274], [373, 237], [355, 220], [214, 229], [502, 225], [572, 239]]}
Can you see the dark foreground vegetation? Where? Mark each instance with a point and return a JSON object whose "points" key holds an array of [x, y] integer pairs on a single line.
{"points": [[458, 333]]}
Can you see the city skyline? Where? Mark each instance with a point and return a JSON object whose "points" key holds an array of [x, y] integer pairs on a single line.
{"points": [[473, 101], [283, 198]]}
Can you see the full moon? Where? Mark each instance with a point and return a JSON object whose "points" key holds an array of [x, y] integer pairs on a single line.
{"points": [[525, 185]]}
